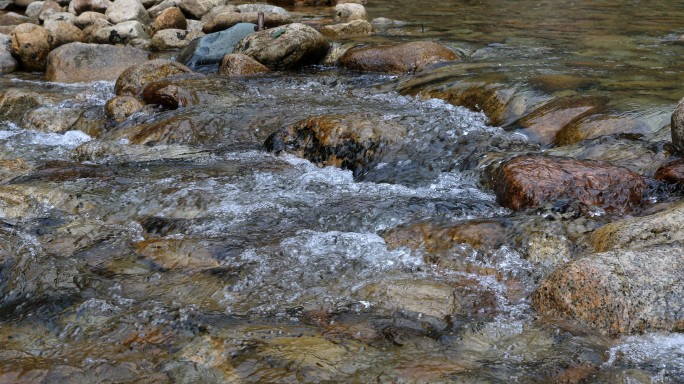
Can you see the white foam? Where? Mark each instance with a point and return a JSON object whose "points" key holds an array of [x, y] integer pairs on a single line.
{"points": [[70, 139], [654, 350]]}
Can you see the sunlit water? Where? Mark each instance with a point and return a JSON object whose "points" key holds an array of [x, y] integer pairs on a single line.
{"points": [[220, 262]]}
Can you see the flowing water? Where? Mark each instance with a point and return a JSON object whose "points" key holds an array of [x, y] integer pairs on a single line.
{"points": [[208, 259]]}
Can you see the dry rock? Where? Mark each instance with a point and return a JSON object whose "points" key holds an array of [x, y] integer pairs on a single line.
{"points": [[79, 62], [127, 10], [168, 39], [62, 32], [352, 28], [135, 78], [31, 45], [347, 12], [240, 65], [170, 18], [227, 20]]}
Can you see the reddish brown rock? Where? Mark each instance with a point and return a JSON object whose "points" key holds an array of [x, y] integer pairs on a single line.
{"points": [[168, 94], [170, 18], [595, 126], [402, 58], [672, 172], [545, 122], [120, 107], [31, 44], [237, 64], [530, 181], [133, 80], [487, 233]]}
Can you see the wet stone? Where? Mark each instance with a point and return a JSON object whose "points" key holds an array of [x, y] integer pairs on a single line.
{"points": [[168, 94], [402, 58], [224, 21], [352, 28], [672, 172], [50, 119], [133, 80], [240, 65], [170, 18], [210, 49], [529, 181], [30, 44], [677, 127], [598, 125], [120, 107]]}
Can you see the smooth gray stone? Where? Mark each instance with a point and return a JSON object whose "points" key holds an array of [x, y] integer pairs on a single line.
{"points": [[210, 49]]}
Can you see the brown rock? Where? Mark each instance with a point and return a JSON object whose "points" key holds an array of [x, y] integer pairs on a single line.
{"points": [[554, 83], [619, 292], [226, 20], [79, 62], [11, 18], [49, 7], [487, 233], [170, 18], [91, 30], [402, 58], [62, 32], [595, 126], [186, 253], [167, 39], [168, 94], [530, 181], [14, 103], [349, 142], [133, 79], [237, 64], [543, 123], [120, 107], [30, 43], [100, 6], [353, 28], [672, 172], [86, 19]]}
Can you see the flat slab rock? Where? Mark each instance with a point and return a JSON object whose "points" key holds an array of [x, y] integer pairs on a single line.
{"points": [[80, 62], [619, 292], [531, 181]]}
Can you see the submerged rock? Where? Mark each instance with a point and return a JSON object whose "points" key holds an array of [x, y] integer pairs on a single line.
{"points": [[210, 49], [79, 62], [402, 58], [14, 103], [619, 292], [133, 80], [348, 142], [31, 45], [227, 20], [530, 181], [240, 65], [597, 125], [287, 47]]}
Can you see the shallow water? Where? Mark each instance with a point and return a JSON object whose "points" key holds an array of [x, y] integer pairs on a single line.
{"points": [[207, 259]]}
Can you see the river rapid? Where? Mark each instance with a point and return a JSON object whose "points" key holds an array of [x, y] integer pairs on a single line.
{"points": [[216, 261]]}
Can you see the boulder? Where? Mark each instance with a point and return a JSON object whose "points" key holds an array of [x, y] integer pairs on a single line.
{"points": [[61, 16], [210, 49], [671, 173], [82, 6], [50, 119], [62, 32], [402, 58], [345, 13], [79, 62], [86, 19], [677, 127], [170, 18], [159, 8], [168, 94], [135, 78], [259, 7], [352, 28], [119, 108], [127, 10], [530, 181], [33, 10], [91, 30], [639, 232], [49, 8], [228, 8], [7, 62], [619, 292], [14, 103], [354, 142], [287, 47], [11, 18], [227, 20], [168, 39], [122, 33], [545, 122], [237, 64], [31, 45], [197, 8]]}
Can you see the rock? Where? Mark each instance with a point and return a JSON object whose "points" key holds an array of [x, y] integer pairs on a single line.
{"points": [[530, 181], [227, 20], [384, 23], [336, 51], [487, 233], [287, 47], [82, 6], [347, 12], [119, 108], [349, 142], [7, 62], [86, 19], [170, 18], [33, 10], [49, 8], [61, 32], [122, 33], [237, 64], [50, 119], [79, 62], [597, 125], [558, 82], [639, 232], [619, 292], [159, 8], [672, 172], [14, 103], [168, 95], [677, 127], [23, 3], [545, 122], [5, 42], [167, 39], [210, 49], [352, 28], [197, 8], [91, 30], [135, 78], [11, 18], [258, 7], [228, 8], [60, 16], [402, 58], [30, 44], [127, 10], [464, 297]]}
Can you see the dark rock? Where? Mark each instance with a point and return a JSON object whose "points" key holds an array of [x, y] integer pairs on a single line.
{"points": [[545, 122], [227, 20], [133, 80], [210, 49], [619, 292], [287, 47], [79, 62], [402, 58], [30, 44], [120, 107], [348, 142], [237, 64], [677, 127], [530, 181], [672, 172], [170, 18], [168, 94]]}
